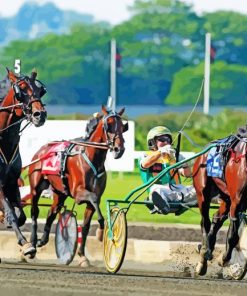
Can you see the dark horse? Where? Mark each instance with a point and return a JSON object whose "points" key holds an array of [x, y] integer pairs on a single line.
{"points": [[23, 101], [232, 189], [83, 175]]}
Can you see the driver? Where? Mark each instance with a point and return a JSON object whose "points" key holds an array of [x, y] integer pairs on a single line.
{"points": [[160, 156]]}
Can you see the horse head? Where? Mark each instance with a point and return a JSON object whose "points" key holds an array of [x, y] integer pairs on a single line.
{"points": [[114, 128], [27, 93]]}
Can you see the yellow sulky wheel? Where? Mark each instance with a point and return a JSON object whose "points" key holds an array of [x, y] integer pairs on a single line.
{"points": [[114, 249], [238, 263]]}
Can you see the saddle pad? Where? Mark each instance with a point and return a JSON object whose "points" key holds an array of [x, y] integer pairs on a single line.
{"points": [[52, 164], [214, 167]]}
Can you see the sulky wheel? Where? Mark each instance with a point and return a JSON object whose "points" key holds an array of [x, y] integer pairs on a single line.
{"points": [[238, 263], [66, 237], [114, 249]]}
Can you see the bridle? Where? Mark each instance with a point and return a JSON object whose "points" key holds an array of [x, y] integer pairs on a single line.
{"points": [[32, 97], [110, 140], [21, 102]]}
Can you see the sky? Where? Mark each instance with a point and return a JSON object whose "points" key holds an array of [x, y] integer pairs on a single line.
{"points": [[115, 11]]}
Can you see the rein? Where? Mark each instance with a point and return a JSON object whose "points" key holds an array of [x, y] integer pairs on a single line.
{"points": [[10, 106], [19, 121], [190, 140], [103, 146], [14, 106], [87, 144], [193, 109]]}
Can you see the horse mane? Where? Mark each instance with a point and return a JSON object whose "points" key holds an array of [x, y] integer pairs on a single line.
{"points": [[93, 122], [4, 87], [91, 126]]}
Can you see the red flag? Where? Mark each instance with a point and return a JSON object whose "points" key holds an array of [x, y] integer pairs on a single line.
{"points": [[212, 54], [118, 58]]}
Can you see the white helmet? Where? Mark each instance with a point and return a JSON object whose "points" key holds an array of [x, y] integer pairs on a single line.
{"points": [[154, 133]]}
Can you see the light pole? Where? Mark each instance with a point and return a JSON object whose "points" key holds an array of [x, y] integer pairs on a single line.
{"points": [[207, 74]]}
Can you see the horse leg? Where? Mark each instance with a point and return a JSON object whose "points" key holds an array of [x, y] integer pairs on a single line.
{"points": [[203, 190], [58, 202], [218, 219], [85, 195], [37, 185], [88, 214], [34, 217], [205, 251], [11, 190], [21, 217], [101, 220], [221, 185], [232, 235], [26, 247], [12, 200]]}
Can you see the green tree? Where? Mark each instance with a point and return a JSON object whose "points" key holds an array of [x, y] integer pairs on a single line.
{"points": [[227, 80]]}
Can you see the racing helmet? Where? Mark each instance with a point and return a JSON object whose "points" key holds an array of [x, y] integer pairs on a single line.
{"points": [[155, 132]]}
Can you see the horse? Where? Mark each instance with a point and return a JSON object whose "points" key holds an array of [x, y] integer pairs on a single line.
{"points": [[232, 190], [22, 102], [82, 175]]}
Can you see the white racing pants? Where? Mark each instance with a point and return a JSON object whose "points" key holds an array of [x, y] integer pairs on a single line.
{"points": [[177, 193]]}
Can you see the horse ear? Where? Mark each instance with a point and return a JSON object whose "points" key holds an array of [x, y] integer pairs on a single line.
{"points": [[11, 76], [33, 74], [125, 127], [105, 112], [120, 113]]}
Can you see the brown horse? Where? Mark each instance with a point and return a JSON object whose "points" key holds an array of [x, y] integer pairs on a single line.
{"points": [[83, 175], [232, 190], [22, 102]]}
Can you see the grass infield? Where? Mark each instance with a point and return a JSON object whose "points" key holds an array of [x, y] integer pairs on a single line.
{"points": [[118, 187]]}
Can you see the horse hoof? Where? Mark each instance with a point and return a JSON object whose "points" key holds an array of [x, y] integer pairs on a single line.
{"points": [[31, 256], [40, 243], [84, 262], [28, 249], [99, 234], [222, 261], [201, 268]]}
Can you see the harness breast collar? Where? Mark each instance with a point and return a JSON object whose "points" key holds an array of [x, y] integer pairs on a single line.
{"points": [[109, 144], [13, 157], [96, 175]]}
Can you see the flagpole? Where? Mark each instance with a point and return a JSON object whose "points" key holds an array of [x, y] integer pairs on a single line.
{"points": [[113, 74], [207, 74]]}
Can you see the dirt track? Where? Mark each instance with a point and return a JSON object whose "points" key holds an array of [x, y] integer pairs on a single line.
{"points": [[175, 277], [49, 280]]}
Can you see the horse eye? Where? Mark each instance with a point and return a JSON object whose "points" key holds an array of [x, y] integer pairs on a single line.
{"points": [[110, 120], [22, 84]]}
